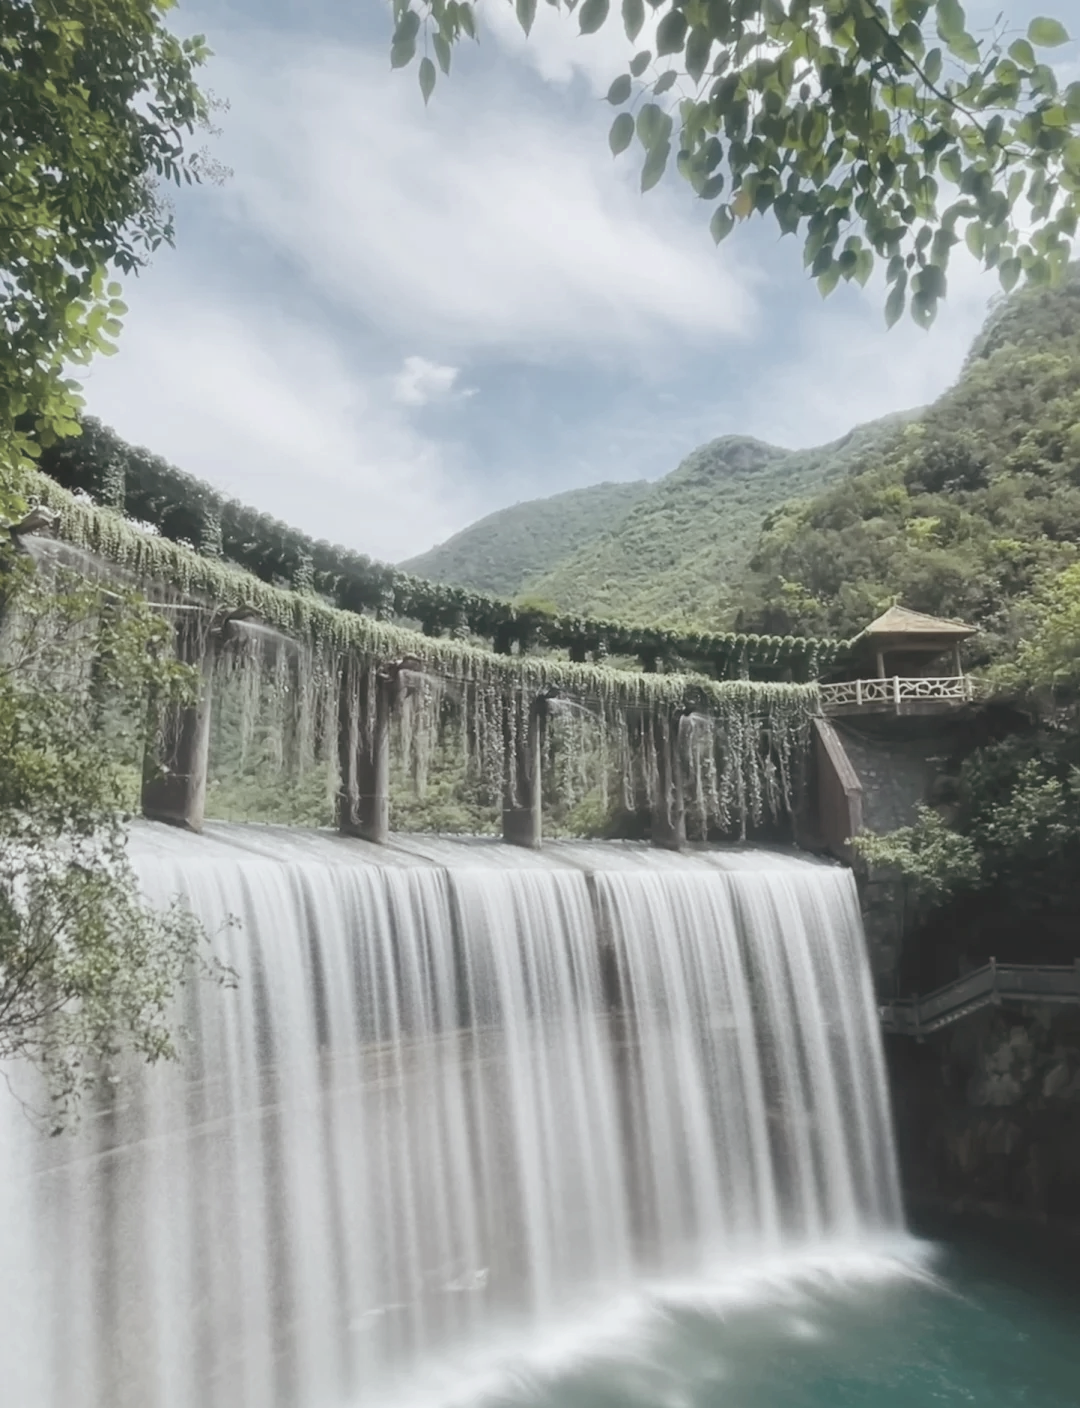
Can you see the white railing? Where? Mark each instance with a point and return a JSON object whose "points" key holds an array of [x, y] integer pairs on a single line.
{"points": [[952, 689]]}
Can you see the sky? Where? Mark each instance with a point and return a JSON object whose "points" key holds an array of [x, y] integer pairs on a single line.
{"points": [[391, 320]]}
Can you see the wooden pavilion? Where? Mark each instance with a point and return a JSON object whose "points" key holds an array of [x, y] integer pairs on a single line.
{"points": [[902, 659]]}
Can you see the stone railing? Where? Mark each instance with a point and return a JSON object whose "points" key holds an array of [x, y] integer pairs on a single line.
{"points": [[895, 692], [996, 983]]}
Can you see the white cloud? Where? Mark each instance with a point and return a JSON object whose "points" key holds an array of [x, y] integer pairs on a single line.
{"points": [[275, 353], [420, 382], [840, 367], [559, 52], [482, 222], [270, 411]]}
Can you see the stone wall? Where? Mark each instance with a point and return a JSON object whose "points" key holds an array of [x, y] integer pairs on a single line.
{"points": [[988, 1113], [900, 762]]}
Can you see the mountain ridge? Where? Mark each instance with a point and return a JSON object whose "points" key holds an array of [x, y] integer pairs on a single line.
{"points": [[502, 551], [673, 550]]}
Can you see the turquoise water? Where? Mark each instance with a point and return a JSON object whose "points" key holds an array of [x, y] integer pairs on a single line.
{"points": [[950, 1326]]}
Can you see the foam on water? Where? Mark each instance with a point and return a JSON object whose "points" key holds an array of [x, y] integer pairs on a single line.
{"points": [[468, 1108]]}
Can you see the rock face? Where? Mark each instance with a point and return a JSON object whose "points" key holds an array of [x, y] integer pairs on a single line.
{"points": [[988, 1112]]}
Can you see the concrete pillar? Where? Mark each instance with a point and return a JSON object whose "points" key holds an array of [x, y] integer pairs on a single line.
{"points": [[522, 818], [178, 751], [669, 808], [364, 754]]}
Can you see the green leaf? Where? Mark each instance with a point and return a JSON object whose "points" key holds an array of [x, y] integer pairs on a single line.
{"points": [[526, 13], [640, 62], [698, 50], [403, 45], [654, 166], [653, 126], [924, 309], [1009, 274], [951, 20], [592, 15], [896, 302], [402, 52], [952, 166], [622, 133], [633, 17], [671, 33], [1022, 54], [442, 52], [721, 224], [619, 91], [965, 48], [665, 81], [828, 280], [1047, 34], [427, 78]]}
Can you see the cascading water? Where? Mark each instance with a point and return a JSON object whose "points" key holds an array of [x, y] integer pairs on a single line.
{"points": [[461, 1100]]}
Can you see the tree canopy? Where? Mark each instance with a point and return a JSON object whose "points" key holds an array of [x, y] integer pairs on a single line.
{"points": [[872, 132], [965, 512], [97, 100]]}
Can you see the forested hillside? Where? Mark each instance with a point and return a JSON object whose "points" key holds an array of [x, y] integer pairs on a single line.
{"points": [[503, 552], [672, 552], [963, 513], [680, 555]]}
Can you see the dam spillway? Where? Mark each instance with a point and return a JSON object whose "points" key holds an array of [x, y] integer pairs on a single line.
{"points": [[462, 1100]]}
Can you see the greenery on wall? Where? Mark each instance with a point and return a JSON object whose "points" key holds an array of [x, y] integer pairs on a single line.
{"points": [[187, 511], [294, 665]]}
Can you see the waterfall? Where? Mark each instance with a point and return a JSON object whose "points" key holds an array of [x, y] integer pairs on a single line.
{"points": [[462, 1101]]}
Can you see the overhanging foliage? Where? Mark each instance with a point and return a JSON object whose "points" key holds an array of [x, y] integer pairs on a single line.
{"points": [[185, 510], [872, 132], [97, 99], [743, 759]]}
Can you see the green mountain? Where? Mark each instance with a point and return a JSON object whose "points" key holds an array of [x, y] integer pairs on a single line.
{"points": [[965, 512], [960, 509], [680, 554], [672, 552], [503, 552]]}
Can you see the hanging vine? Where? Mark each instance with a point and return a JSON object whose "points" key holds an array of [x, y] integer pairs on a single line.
{"points": [[185, 510], [738, 742]]}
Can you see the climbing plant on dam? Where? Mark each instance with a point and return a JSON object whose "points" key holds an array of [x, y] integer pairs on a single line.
{"points": [[300, 666], [186, 510]]}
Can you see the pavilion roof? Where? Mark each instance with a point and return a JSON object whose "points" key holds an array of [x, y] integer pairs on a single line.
{"points": [[899, 621]]}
